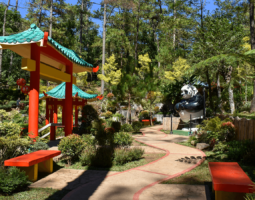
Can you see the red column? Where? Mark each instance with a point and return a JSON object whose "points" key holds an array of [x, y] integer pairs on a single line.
{"points": [[76, 113], [34, 92], [55, 120], [47, 112], [69, 103]]}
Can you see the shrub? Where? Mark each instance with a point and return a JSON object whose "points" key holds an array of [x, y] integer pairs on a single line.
{"points": [[109, 130], [126, 128], [144, 114], [108, 114], [12, 146], [110, 95], [122, 156], [9, 129], [221, 147], [88, 155], [89, 140], [136, 125], [237, 149], [12, 179], [89, 114], [213, 124], [116, 126], [122, 139], [156, 109], [39, 146], [71, 146], [4, 115], [104, 157]]}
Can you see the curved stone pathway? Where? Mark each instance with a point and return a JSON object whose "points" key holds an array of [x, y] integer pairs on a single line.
{"points": [[142, 182]]}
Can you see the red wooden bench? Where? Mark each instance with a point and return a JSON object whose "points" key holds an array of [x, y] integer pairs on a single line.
{"points": [[230, 182], [33, 162], [147, 121]]}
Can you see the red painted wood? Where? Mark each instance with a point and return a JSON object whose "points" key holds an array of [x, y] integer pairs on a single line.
{"points": [[69, 103], [34, 92], [32, 158], [52, 128], [76, 114], [229, 177], [47, 112], [45, 39], [147, 120]]}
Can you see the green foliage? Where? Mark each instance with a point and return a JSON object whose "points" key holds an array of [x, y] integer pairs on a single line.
{"points": [[122, 139], [9, 129], [116, 126], [108, 114], [71, 146], [137, 126], [156, 109], [122, 156], [221, 147], [213, 124], [39, 145], [126, 128], [144, 114], [12, 180], [88, 155], [89, 140], [104, 157], [12, 146]]}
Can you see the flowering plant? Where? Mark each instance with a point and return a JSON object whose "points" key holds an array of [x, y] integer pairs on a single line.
{"points": [[109, 130], [110, 95], [228, 125]]}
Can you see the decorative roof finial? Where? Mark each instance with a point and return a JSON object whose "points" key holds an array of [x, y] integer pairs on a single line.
{"points": [[33, 26]]}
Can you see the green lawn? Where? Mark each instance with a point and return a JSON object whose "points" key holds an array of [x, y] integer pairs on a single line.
{"points": [[177, 132], [37, 194], [147, 158]]}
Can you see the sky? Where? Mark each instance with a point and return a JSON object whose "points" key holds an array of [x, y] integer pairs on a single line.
{"points": [[23, 10]]}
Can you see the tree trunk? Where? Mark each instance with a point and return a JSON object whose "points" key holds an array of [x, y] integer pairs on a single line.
{"points": [[16, 7], [1, 51], [51, 12], [129, 109], [103, 56], [137, 33], [227, 76], [231, 99], [251, 9], [40, 14], [11, 62], [219, 92], [209, 88], [174, 25], [81, 24]]}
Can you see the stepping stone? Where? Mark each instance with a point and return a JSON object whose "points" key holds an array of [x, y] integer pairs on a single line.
{"points": [[202, 146]]}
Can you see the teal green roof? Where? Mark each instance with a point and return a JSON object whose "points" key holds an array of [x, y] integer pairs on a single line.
{"points": [[34, 34], [60, 91]]}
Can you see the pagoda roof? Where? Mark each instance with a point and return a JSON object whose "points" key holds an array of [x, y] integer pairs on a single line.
{"points": [[60, 91], [35, 35]]}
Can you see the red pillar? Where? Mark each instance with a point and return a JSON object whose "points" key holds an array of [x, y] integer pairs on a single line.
{"points": [[47, 112], [55, 120], [34, 92], [76, 113], [69, 102]]}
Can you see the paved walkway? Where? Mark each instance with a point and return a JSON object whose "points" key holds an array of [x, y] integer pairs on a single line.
{"points": [[137, 183]]}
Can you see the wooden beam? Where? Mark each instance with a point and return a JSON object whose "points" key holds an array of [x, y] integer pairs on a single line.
{"points": [[28, 64], [53, 73]]}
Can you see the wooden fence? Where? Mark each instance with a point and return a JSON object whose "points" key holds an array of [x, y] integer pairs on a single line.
{"points": [[245, 128]]}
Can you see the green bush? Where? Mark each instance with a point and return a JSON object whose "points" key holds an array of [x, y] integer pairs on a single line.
{"points": [[39, 146], [122, 139], [12, 179], [104, 157], [116, 126], [126, 128], [88, 155], [89, 140], [213, 124], [136, 125], [156, 109], [71, 146], [9, 129], [108, 114], [237, 149], [12, 146], [4, 115], [122, 156], [144, 115]]}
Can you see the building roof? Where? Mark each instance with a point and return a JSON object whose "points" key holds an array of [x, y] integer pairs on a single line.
{"points": [[34, 34], [60, 91]]}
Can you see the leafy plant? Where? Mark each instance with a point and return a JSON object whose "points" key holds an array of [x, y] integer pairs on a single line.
{"points": [[156, 109], [71, 146], [89, 140], [108, 114], [12, 179], [39, 146], [126, 128], [9, 129], [88, 155], [4, 115], [122, 156], [137, 126], [122, 139], [12, 146], [144, 114]]}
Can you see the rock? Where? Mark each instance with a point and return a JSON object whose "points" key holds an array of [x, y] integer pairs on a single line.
{"points": [[193, 142], [202, 146]]}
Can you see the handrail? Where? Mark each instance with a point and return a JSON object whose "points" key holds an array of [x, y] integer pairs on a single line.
{"points": [[48, 125], [47, 134]]}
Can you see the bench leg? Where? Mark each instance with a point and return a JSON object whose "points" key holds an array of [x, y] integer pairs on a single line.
{"points": [[31, 172], [221, 195], [46, 166]]}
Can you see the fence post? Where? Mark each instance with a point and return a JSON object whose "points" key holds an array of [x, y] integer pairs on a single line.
{"points": [[190, 125], [171, 132]]}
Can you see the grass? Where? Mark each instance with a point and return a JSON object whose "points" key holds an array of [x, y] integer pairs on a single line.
{"points": [[177, 132], [147, 158], [37, 193]]}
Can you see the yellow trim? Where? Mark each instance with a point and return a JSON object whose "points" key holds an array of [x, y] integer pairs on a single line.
{"points": [[53, 73], [46, 166], [28, 64], [31, 172], [74, 80]]}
